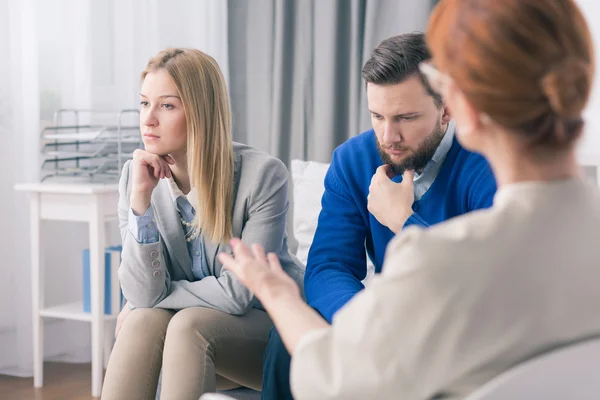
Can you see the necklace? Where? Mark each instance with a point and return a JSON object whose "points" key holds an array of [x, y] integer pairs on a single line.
{"points": [[194, 232]]}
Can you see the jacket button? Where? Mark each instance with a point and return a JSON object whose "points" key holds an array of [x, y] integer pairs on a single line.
{"points": [[154, 254], [156, 274], [155, 263]]}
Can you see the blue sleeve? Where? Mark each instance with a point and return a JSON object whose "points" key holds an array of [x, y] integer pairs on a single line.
{"points": [[337, 258], [143, 227], [481, 188], [415, 219]]}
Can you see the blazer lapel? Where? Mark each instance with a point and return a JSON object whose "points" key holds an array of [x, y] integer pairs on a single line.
{"points": [[167, 218]]}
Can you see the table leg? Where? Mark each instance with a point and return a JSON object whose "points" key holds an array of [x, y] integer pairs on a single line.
{"points": [[37, 292], [97, 273]]}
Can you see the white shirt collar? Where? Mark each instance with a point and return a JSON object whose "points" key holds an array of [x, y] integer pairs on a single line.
{"points": [[176, 193]]}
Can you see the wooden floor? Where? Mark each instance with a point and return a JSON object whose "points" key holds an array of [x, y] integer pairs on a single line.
{"points": [[61, 382]]}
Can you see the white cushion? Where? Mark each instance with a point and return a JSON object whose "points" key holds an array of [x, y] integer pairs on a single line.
{"points": [[308, 178], [308, 181]]}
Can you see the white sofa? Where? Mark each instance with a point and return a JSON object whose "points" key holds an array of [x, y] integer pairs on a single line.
{"points": [[308, 188]]}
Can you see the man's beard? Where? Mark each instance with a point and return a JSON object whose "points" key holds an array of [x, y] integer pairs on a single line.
{"points": [[418, 159]]}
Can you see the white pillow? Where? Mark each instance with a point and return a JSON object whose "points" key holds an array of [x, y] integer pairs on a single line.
{"points": [[308, 181], [308, 178]]}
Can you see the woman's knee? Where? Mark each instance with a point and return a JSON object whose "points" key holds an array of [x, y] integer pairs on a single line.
{"points": [[196, 323], [146, 321]]}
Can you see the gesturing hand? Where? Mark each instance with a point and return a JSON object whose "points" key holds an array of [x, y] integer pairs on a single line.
{"points": [[261, 274]]}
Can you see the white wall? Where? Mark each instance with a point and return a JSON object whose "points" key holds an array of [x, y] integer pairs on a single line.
{"points": [[590, 146]]}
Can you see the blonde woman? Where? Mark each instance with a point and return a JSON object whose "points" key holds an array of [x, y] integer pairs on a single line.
{"points": [[181, 199]]}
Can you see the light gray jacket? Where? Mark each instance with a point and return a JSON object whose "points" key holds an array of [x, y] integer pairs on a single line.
{"points": [[160, 275]]}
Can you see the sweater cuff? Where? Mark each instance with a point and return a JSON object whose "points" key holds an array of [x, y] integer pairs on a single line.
{"points": [[416, 219]]}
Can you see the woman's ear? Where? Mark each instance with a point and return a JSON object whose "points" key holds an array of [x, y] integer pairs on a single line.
{"points": [[466, 116], [446, 115]]}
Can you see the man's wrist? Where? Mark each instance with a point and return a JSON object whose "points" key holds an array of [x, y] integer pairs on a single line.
{"points": [[401, 222]]}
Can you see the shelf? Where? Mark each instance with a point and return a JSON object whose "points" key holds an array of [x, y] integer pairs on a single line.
{"points": [[68, 188], [72, 311]]}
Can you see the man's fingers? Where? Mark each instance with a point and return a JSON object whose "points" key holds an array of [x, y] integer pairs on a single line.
{"points": [[382, 170], [389, 171], [385, 171], [408, 176]]}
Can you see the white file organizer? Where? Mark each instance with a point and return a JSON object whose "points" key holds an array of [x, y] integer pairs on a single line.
{"points": [[88, 145]]}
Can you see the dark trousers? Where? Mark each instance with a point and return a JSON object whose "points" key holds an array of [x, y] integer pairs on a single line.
{"points": [[276, 370]]}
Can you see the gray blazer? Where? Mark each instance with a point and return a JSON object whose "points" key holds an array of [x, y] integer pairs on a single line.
{"points": [[160, 275]]}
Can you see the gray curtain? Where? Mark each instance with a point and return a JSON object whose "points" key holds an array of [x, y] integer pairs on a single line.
{"points": [[295, 65]]}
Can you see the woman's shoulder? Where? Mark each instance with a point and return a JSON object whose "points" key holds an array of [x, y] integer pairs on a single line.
{"points": [[125, 176], [252, 155], [256, 165], [448, 246]]}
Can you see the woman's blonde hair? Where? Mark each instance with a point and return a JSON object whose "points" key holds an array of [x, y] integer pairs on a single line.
{"points": [[205, 99]]}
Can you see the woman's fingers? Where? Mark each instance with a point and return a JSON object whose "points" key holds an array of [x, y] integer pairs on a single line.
{"points": [[244, 257], [258, 252], [229, 262], [274, 262], [159, 164], [169, 159], [164, 165], [240, 250]]}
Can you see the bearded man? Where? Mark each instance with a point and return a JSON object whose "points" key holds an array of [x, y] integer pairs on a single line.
{"points": [[408, 170]]}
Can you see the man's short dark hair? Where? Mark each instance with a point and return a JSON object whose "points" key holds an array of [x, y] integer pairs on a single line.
{"points": [[396, 59]]}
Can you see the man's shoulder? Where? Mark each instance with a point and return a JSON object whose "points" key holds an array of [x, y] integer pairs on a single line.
{"points": [[358, 152], [468, 156], [471, 163], [471, 171], [361, 143], [355, 160]]}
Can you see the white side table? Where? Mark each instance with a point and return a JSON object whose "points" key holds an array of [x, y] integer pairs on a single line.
{"points": [[95, 204]]}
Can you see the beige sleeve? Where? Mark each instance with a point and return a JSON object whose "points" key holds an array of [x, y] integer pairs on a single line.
{"points": [[372, 347]]}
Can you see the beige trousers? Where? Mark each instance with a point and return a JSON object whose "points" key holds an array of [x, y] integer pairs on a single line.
{"points": [[196, 348]]}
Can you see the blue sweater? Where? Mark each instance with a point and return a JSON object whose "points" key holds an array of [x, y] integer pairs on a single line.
{"points": [[337, 260]]}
